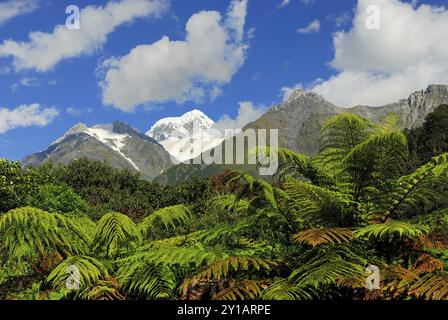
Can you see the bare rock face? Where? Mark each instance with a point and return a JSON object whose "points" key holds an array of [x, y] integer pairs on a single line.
{"points": [[300, 118]]}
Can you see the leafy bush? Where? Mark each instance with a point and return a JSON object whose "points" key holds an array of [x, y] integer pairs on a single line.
{"points": [[58, 199], [16, 185]]}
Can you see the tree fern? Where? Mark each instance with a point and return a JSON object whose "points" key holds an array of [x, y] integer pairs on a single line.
{"points": [[342, 133], [114, 232], [27, 232]]}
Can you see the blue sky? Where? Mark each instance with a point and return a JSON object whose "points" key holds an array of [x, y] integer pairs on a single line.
{"points": [[269, 57]]}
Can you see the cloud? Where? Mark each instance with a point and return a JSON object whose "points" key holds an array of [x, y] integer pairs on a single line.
{"points": [[31, 82], [305, 2], [13, 8], [313, 27], [247, 113], [45, 50], [285, 3], [191, 69], [26, 116], [376, 67], [76, 112], [340, 20]]}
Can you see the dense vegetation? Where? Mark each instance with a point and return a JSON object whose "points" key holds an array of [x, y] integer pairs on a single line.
{"points": [[309, 233]]}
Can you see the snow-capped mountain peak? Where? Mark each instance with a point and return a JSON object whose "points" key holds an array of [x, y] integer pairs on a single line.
{"points": [[179, 127], [185, 137]]}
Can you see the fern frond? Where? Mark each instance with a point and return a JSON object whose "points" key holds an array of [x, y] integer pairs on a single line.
{"points": [[28, 232], [186, 257], [227, 206], [221, 268], [320, 205], [318, 236], [169, 217], [144, 276], [285, 290], [292, 162], [108, 289], [91, 270], [392, 228], [115, 231], [241, 290], [432, 286], [343, 132], [223, 233], [414, 188]]}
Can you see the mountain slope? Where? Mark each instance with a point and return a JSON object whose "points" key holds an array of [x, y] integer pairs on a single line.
{"points": [[300, 118], [117, 144]]}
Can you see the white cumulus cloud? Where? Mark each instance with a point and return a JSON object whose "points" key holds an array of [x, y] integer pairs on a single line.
{"points": [[376, 67], [26, 116], [13, 8], [190, 69], [44, 50], [247, 113]]}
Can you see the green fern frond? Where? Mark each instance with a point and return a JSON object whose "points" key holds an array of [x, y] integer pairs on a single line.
{"points": [[285, 290], [108, 289], [343, 132], [223, 233], [187, 257], [91, 270], [221, 268], [27, 232], [114, 232], [262, 190], [292, 162], [408, 191], [224, 209], [143, 276], [392, 228], [320, 205], [169, 217]]}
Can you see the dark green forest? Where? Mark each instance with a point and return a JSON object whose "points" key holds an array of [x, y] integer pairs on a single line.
{"points": [[374, 195]]}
